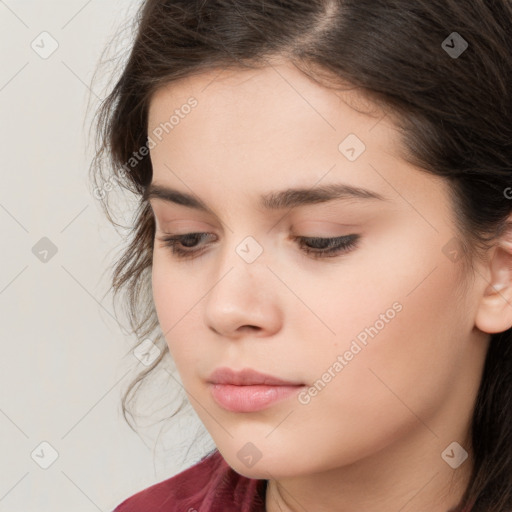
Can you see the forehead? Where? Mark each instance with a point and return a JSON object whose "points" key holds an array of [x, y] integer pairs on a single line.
{"points": [[274, 90], [260, 130], [273, 117]]}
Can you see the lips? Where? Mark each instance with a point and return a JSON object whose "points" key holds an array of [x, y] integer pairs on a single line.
{"points": [[249, 390], [247, 377]]}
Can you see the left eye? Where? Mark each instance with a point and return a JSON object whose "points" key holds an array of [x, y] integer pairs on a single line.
{"points": [[316, 246], [327, 247]]}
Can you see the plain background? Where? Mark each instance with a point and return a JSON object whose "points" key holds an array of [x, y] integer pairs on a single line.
{"points": [[64, 359]]}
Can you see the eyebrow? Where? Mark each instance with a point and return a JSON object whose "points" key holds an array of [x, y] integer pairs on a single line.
{"points": [[277, 200]]}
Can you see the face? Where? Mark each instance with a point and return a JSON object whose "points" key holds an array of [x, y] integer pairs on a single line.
{"points": [[366, 325]]}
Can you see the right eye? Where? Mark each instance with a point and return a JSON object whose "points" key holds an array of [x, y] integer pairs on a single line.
{"points": [[176, 242]]}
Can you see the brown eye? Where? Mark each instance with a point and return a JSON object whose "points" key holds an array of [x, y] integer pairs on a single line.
{"points": [[327, 247], [177, 242]]}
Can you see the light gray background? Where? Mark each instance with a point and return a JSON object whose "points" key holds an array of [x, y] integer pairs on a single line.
{"points": [[64, 359]]}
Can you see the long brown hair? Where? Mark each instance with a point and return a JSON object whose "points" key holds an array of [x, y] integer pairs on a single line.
{"points": [[441, 68]]}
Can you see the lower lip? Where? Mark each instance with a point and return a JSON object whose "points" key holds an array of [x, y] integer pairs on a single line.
{"points": [[250, 398]]}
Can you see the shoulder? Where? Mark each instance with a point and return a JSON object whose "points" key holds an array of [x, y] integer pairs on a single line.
{"points": [[210, 485]]}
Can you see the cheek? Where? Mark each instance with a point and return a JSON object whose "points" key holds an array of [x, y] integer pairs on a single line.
{"points": [[397, 328], [177, 306], [174, 292], [164, 298], [402, 361]]}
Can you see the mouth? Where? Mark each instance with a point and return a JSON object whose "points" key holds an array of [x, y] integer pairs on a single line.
{"points": [[247, 377], [249, 390], [250, 398]]}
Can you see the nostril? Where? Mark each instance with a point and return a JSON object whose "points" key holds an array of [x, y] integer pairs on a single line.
{"points": [[250, 327]]}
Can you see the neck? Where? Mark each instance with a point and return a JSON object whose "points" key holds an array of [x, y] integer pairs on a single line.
{"points": [[409, 477]]}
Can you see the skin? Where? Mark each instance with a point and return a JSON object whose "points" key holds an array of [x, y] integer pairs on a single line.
{"points": [[372, 438]]}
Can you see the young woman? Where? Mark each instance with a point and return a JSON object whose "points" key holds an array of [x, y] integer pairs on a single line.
{"points": [[323, 244]]}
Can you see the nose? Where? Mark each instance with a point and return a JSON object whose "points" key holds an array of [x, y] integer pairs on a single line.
{"points": [[243, 299]]}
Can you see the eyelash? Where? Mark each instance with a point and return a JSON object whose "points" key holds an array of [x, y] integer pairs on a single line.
{"points": [[335, 246]]}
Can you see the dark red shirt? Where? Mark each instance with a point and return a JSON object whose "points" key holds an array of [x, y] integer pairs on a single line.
{"points": [[211, 485]]}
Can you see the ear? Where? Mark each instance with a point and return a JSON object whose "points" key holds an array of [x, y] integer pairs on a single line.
{"points": [[495, 309]]}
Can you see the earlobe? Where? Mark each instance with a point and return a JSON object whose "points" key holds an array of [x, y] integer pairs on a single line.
{"points": [[495, 309]]}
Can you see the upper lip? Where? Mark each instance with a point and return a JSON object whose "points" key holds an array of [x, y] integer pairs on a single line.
{"points": [[247, 377]]}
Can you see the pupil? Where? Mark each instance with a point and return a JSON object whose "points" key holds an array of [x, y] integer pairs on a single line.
{"points": [[190, 238], [319, 243]]}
